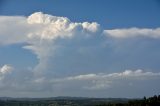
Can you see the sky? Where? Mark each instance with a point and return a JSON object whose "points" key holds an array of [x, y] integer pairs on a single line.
{"points": [[82, 48]]}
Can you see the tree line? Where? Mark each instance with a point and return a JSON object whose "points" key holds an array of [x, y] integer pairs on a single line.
{"points": [[150, 101]]}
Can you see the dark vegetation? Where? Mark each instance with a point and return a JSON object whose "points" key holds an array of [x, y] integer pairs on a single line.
{"points": [[71, 101]]}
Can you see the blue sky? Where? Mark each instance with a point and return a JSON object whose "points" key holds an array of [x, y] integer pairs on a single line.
{"points": [[109, 13], [90, 48]]}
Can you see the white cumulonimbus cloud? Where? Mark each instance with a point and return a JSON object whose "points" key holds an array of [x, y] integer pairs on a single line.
{"points": [[40, 31], [48, 36], [50, 28]]}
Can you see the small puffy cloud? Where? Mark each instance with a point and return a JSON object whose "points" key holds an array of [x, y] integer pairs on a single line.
{"points": [[6, 69], [133, 32]]}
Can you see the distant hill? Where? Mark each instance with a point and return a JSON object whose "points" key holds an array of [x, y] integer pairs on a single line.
{"points": [[79, 101], [59, 101], [64, 98]]}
